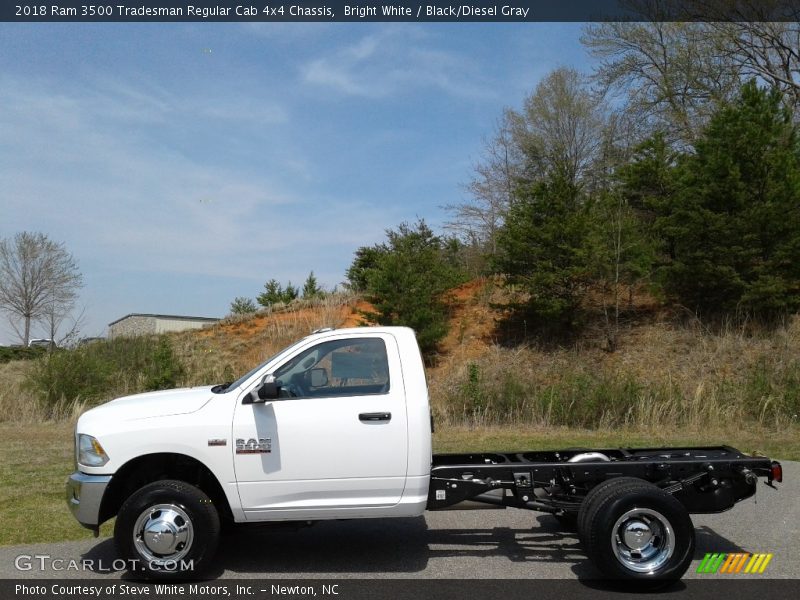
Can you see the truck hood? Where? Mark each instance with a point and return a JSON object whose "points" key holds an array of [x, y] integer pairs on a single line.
{"points": [[151, 404]]}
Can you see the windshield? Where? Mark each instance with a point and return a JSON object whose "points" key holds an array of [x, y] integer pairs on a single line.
{"points": [[221, 389]]}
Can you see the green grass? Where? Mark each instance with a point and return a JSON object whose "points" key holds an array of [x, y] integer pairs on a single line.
{"points": [[36, 459]]}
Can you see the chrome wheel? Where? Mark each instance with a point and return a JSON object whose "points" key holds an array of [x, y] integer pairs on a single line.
{"points": [[163, 534], [642, 540]]}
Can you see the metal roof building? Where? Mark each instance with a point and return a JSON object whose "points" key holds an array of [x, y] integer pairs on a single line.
{"points": [[143, 324]]}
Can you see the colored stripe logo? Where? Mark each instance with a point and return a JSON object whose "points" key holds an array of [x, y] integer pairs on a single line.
{"points": [[734, 563]]}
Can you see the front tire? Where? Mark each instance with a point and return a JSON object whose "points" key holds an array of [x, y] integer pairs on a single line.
{"points": [[636, 532], [167, 530]]}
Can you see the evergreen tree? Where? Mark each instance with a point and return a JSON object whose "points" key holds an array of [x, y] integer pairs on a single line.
{"points": [[407, 281], [290, 293], [648, 180], [735, 222], [242, 306], [648, 184], [545, 249], [366, 258], [310, 288], [273, 292]]}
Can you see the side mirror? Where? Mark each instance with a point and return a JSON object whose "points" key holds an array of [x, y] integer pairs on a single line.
{"points": [[268, 390], [319, 377]]}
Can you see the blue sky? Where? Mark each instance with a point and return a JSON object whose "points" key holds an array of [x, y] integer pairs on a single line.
{"points": [[186, 164]]}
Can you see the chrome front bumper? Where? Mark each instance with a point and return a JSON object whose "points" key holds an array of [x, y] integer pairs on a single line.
{"points": [[84, 495]]}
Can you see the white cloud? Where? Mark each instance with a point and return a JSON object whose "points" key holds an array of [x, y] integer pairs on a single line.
{"points": [[394, 60], [117, 100]]}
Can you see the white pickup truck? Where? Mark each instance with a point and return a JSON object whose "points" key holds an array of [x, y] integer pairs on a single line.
{"points": [[338, 426]]}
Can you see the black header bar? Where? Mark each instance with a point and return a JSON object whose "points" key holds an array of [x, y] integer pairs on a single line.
{"points": [[394, 11]]}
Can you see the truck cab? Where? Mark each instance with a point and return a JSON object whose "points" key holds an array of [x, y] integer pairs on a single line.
{"points": [[336, 425]]}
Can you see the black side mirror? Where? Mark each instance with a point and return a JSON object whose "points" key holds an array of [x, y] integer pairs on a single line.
{"points": [[268, 390]]}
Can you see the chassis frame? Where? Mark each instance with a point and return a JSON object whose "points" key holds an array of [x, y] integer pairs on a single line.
{"points": [[706, 479]]}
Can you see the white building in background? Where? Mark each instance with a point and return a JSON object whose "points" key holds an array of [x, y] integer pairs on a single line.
{"points": [[142, 324]]}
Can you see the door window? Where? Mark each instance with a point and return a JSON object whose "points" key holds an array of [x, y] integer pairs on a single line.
{"points": [[353, 367]]}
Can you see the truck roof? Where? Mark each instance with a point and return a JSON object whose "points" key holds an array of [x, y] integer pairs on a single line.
{"points": [[394, 329], [398, 331]]}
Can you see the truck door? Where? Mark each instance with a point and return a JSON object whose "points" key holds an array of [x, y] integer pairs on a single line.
{"points": [[336, 438]]}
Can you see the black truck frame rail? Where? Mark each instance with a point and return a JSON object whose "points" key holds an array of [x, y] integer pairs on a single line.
{"points": [[704, 479]]}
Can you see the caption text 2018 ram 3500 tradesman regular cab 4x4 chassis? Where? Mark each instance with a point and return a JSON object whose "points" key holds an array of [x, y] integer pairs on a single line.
{"points": [[338, 426]]}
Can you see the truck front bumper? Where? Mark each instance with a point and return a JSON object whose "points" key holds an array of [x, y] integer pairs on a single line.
{"points": [[84, 495]]}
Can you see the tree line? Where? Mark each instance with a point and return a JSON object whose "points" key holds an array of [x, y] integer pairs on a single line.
{"points": [[275, 293], [674, 166]]}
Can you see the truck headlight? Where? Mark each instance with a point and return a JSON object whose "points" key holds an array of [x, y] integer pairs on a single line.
{"points": [[90, 452]]}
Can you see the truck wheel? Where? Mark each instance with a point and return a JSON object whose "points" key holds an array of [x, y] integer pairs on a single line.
{"points": [[635, 531], [167, 530], [591, 499]]}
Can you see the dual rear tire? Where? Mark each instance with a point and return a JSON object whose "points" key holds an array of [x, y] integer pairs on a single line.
{"points": [[634, 531]]}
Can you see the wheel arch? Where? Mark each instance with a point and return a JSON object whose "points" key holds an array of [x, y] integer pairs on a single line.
{"points": [[150, 468]]}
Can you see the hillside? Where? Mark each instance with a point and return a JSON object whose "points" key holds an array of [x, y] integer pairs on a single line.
{"points": [[665, 369], [238, 343]]}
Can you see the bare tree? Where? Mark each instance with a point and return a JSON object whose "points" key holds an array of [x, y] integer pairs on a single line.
{"points": [[39, 279], [673, 74], [561, 129], [491, 191], [768, 51], [62, 323], [760, 39]]}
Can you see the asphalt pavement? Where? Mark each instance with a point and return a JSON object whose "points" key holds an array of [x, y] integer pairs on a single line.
{"points": [[480, 544]]}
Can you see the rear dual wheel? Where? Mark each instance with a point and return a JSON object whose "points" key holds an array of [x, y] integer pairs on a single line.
{"points": [[633, 531]]}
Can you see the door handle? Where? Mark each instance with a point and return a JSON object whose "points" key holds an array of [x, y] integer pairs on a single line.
{"points": [[377, 416]]}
